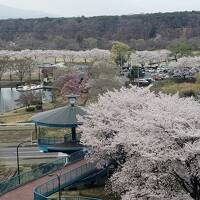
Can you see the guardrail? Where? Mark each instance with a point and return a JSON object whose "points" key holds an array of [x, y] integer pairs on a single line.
{"points": [[69, 178], [13, 183], [74, 198], [55, 140], [50, 140]]}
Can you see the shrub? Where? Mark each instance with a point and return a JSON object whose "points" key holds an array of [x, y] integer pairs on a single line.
{"points": [[187, 93], [197, 77], [30, 109], [38, 107]]}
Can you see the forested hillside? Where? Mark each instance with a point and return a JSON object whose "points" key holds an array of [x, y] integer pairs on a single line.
{"points": [[143, 31]]}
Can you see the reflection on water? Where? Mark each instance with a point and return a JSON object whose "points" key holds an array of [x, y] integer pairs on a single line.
{"points": [[8, 97]]}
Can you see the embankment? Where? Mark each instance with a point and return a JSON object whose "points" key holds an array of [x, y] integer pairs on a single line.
{"points": [[5, 84]]}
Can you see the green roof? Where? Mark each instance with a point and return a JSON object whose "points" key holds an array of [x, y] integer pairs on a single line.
{"points": [[64, 117]]}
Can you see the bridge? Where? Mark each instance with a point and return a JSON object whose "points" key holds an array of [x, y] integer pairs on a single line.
{"points": [[72, 178], [37, 185]]}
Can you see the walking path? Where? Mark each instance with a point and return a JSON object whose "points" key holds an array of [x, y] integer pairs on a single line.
{"points": [[25, 192]]}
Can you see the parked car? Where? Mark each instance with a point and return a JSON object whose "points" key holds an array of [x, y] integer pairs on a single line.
{"points": [[157, 77], [150, 80], [142, 82]]}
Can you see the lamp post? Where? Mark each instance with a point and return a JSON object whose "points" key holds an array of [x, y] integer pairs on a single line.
{"points": [[18, 170], [72, 99], [58, 175]]}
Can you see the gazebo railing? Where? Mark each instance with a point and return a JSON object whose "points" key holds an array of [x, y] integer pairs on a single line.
{"points": [[55, 140], [13, 182], [51, 140]]}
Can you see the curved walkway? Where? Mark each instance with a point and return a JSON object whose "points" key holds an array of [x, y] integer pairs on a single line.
{"points": [[25, 192]]}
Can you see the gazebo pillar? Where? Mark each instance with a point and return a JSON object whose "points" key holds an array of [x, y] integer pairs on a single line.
{"points": [[36, 131], [74, 134]]}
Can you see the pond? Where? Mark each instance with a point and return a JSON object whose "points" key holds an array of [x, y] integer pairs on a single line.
{"points": [[9, 97]]}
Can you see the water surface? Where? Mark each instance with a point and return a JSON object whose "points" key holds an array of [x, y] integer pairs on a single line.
{"points": [[9, 97]]}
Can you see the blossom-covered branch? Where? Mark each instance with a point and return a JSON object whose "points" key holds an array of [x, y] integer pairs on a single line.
{"points": [[147, 137]]}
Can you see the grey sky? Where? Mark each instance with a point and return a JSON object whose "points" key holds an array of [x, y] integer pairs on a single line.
{"points": [[69, 8]]}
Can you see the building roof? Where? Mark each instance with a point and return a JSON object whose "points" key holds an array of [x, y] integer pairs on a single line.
{"points": [[64, 117]]}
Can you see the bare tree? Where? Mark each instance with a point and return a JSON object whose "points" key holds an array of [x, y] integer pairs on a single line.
{"points": [[3, 66], [104, 76], [23, 66]]}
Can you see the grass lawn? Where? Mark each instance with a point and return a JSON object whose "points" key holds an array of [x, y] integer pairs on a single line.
{"points": [[170, 86], [14, 136], [92, 191], [21, 115]]}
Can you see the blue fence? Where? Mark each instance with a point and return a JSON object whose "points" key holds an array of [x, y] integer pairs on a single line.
{"points": [[75, 198], [69, 178], [50, 140], [12, 183], [56, 140]]}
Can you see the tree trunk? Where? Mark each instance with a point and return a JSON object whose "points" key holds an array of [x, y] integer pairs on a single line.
{"points": [[10, 75], [30, 76], [176, 58], [39, 75], [21, 78]]}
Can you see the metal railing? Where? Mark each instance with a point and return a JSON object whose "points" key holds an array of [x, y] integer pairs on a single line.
{"points": [[13, 183], [56, 140], [74, 198], [50, 140], [67, 179]]}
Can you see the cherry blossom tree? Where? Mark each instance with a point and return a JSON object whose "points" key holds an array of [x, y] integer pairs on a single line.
{"points": [[75, 83], [100, 55], [66, 55], [185, 68], [21, 62], [136, 60], [149, 57], [69, 56], [23, 66], [3, 66], [153, 140]]}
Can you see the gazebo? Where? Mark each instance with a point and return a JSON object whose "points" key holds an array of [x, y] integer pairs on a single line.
{"points": [[63, 117]]}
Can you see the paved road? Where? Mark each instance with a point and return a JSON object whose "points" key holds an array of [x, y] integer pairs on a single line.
{"points": [[16, 127], [25, 192], [27, 155], [24, 152]]}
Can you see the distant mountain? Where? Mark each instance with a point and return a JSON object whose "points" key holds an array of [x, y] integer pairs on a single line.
{"points": [[140, 32], [7, 12]]}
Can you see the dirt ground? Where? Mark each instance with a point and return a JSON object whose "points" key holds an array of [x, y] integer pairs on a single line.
{"points": [[6, 172], [15, 136]]}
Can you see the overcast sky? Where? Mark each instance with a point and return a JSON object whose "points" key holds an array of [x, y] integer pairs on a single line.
{"points": [[69, 8]]}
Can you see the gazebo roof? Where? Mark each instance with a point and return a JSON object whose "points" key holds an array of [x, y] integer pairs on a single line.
{"points": [[64, 117]]}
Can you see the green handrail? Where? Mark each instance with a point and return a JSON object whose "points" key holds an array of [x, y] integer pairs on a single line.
{"points": [[74, 198], [67, 179], [13, 183]]}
